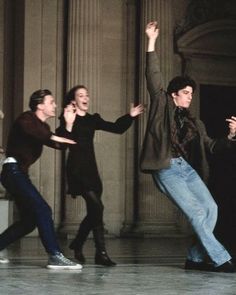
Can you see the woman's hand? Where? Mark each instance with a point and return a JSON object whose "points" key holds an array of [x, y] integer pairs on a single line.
{"points": [[135, 111], [69, 116]]}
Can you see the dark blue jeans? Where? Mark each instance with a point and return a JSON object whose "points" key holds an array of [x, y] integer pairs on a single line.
{"points": [[33, 209]]}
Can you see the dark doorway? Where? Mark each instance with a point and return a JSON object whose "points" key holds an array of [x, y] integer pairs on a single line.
{"points": [[216, 104]]}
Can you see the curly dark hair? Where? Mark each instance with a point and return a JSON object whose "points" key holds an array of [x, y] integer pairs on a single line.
{"points": [[180, 82]]}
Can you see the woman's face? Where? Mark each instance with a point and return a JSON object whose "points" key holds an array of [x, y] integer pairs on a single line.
{"points": [[82, 99]]}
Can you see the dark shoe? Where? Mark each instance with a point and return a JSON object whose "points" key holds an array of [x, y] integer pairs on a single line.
{"points": [[101, 258], [79, 256], [228, 266], [192, 265]]}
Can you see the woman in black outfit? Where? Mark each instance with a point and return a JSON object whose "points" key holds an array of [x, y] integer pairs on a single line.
{"points": [[82, 173]]}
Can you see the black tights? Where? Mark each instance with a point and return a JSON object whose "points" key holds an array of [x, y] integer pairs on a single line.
{"points": [[92, 221]]}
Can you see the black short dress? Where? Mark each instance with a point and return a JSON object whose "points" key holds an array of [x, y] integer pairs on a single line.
{"points": [[81, 168]]}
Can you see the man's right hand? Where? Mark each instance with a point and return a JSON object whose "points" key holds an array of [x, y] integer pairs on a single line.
{"points": [[62, 139], [152, 31]]}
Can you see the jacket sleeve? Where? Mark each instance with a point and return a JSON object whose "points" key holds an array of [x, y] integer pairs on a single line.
{"points": [[215, 146], [153, 74], [119, 126]]}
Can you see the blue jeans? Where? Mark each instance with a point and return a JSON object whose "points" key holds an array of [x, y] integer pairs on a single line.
{"points": [[33, 209], [184, 187]]}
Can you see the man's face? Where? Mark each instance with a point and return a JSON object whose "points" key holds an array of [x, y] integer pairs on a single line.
{"points": [[82, 99], [183, 97], [48, 106]]}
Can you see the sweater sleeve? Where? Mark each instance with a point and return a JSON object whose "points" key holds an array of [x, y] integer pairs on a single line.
{"points": [[119, 126], [34, 127], [56, 145]]}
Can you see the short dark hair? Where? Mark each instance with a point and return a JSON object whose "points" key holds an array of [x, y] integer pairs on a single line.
{"points": [[70, 95], [38, 97], [180, 82]]}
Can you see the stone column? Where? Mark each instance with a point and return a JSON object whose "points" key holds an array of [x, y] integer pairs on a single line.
{"points": [[156, 215], [38, 64], [6, 208], [83, 67]]}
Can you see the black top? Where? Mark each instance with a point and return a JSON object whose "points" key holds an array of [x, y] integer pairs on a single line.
{"points": [[26, 139], [82, 172]]}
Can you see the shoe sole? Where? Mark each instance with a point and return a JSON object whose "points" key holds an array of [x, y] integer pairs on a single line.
{"points": [[4, 261], [78, 267]]}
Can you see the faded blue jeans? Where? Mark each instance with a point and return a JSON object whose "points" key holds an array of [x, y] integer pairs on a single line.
{"points": [[183, 186], [33, 210]]}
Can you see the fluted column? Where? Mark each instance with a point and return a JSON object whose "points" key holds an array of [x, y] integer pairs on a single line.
{"points": [[37, 65], [84, 39], [156, 215], [83, 67]]}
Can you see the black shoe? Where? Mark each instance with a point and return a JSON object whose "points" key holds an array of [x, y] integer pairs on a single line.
{"points": [[79, 256], [101, 258], [228, 266], [192, 265]]}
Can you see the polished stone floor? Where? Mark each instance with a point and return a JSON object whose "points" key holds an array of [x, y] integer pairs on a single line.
{"points": [[145, 266]]}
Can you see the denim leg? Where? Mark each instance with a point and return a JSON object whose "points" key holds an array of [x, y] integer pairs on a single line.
{"points": [[184, 187], [29, 202], [16, 231], [199, 189]]}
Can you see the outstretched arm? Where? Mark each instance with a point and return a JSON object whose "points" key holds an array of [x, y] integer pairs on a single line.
{"points": [[136, 111], [62, 139], [122, 123]]}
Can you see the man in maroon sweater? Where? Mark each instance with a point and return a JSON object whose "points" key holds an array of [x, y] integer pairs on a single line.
{"points": [[25, 144]]}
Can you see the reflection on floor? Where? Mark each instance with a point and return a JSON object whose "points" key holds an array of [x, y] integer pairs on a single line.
{"points": [[145, 266]]}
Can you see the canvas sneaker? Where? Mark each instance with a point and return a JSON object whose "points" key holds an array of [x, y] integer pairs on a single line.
{"points": [[3, 257], [59, 261]]}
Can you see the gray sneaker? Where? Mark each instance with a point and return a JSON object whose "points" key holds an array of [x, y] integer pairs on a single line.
{"points": [[3, 257], [59, 261]]}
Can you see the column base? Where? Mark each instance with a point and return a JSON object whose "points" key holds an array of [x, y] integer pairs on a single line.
{"points": [[151, 229]]}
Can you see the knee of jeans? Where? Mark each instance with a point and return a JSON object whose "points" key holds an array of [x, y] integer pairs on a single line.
{"points": [[213, 209], [30, 225], [198, 216]]}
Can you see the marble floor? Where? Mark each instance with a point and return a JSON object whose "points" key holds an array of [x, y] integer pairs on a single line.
{"points": [[145, 267]]}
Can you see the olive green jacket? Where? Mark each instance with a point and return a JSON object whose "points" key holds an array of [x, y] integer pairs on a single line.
{"points": [[156, 150]]}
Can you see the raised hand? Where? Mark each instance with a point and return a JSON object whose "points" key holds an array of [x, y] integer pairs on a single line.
{"points": [[136, 111], [152, 31], [69, 116], [69, 113]]}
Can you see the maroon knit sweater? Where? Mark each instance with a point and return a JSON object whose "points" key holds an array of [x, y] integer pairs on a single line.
{"points": [[26, 139]]}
